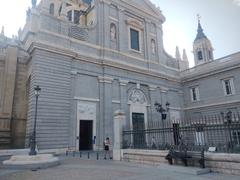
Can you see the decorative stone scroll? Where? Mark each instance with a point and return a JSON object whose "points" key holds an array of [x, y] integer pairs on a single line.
{"points": [[137, 96]]}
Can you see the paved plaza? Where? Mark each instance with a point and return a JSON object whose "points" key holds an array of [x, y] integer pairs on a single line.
{"points": [[74, 168]]}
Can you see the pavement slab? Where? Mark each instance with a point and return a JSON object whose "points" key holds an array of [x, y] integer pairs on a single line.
{"points": [[74, 168]]}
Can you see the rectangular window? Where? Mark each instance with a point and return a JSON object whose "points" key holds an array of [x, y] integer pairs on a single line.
{"points": [[69, 14], [134, 35], [228, 86], [195, 94]]}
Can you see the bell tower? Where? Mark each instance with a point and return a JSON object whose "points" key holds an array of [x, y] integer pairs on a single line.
{"points": [[202, 47]]}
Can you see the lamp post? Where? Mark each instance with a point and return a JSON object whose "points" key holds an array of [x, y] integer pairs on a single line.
{"points": [[159, 108], [32, 152]]}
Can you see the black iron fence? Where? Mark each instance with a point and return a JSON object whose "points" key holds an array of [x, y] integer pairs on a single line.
{"points": [[220, 133]]}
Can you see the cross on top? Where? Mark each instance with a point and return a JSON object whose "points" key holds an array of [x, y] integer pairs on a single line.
{"points": [[198, 18]]}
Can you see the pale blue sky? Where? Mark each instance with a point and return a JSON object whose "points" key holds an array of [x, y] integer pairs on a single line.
{"points": [[220, 21]]}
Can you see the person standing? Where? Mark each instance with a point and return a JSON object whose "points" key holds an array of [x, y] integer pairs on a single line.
{"points": [[153, 143], [107, 148]]}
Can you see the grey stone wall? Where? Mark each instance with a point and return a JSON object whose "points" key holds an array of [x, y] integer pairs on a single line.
{"points": [[211, 90], [19, 117], [53, 74], [2, 64], [103, 71]]}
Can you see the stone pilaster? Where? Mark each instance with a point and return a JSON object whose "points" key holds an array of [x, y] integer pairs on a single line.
{"points": [[121, 29], [106, 122], [119, 121], [153, 98], [123, 94], [148, 43], [164, 92], [9, 80]]}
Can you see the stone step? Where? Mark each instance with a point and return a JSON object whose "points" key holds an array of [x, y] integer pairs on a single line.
{"points": [[185, 170], [5, 139]]}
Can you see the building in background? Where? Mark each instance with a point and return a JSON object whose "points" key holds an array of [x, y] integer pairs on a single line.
{"points": [[92, 58]]}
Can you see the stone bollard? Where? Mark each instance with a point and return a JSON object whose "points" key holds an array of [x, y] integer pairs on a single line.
{"points": [[119, 121]]}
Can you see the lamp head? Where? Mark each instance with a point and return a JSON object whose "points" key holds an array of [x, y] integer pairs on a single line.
{"points": [[167, 105], [37, 90]]}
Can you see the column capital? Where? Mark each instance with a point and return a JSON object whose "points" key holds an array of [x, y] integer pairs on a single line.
{"points": [[123, 82], [105, 79], [163, 89], [152, 87]]}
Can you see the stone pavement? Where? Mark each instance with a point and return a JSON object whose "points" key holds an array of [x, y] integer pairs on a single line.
{"points": [[74, 168]]}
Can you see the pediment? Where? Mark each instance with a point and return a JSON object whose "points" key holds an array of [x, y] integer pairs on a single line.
{"points": [[146, 6]]}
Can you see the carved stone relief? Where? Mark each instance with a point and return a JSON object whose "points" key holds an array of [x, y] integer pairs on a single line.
{"points": [[87, 110], [137, 96]]}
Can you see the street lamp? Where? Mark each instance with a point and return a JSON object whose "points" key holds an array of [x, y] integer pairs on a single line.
{"points": [[32, 152], [159, 108]]}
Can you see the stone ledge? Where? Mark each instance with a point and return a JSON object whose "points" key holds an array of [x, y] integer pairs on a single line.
{"points": [[216, 162], [40, 161], [185, 170]]}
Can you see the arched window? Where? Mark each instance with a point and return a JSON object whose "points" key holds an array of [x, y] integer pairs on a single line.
{"points": [[51, 9], [74, 16], [200, 55]]}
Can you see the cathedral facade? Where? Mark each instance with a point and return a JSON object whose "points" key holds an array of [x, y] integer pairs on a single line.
{"points": [[92, 58]]}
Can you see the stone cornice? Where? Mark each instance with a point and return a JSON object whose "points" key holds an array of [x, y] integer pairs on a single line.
{"points": [[223, 103], [163, 89], [135, 23], [96, 60], [155, 12], [86, 99], [106, 49], [152, 87], [215, 67]]}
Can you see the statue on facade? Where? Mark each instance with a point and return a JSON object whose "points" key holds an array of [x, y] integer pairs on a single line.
{"points": [[34, 3], [153, 46], [2, 31], [113, 32], [28, 12]]}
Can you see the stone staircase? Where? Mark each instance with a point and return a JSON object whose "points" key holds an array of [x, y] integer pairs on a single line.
{"points": [[5, 133]]}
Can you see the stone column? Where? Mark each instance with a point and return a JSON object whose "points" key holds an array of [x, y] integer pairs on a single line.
{"points": [[119, 121]]}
